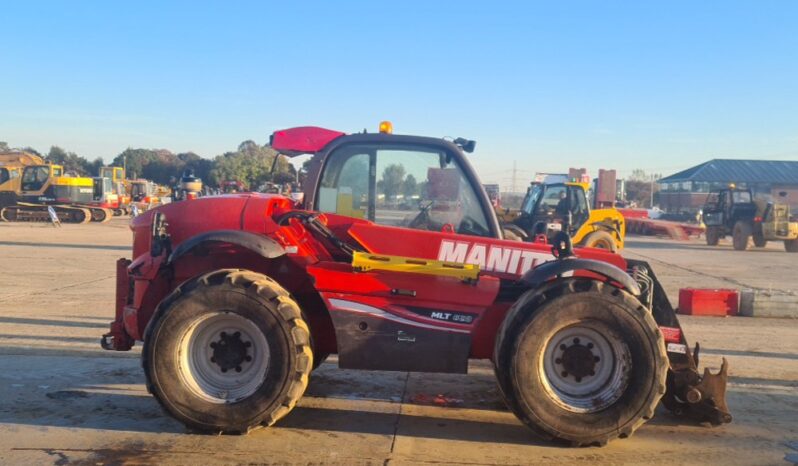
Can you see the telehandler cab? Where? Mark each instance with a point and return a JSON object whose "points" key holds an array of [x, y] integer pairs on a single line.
{"points": [[396, 261], [549, 208]]}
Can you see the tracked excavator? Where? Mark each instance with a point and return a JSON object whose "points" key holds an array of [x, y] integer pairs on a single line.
{"points": [[46, 185]]}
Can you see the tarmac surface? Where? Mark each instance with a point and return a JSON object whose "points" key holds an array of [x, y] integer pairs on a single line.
{"points": [[63, 400]]}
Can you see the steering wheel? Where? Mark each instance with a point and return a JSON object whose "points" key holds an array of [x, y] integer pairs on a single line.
{"points": [[422, 218]]}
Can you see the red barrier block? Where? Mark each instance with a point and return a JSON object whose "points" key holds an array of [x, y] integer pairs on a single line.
{"points": [[708, 302]]}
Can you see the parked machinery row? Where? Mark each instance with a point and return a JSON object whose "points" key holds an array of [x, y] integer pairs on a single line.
{"points": [[32, 190]]}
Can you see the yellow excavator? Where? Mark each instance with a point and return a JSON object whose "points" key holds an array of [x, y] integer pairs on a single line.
{"points": [[44, 186], [549, 208], [11, 166]]}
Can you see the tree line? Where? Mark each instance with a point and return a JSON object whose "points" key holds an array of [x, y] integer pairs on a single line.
{"points": [[250, 164]]}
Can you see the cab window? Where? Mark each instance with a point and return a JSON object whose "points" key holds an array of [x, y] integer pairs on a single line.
{"points": [[33, 178], [579, 207], [555, 200], [741, 197], [405, 186], [4, 176]]}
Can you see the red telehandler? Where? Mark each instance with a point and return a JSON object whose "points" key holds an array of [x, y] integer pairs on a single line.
{"points": [[395, 261]]}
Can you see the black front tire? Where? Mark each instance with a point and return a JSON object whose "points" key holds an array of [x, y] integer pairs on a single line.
{"points": [[791, 245], [248, 320], [528, 365], [741, 234], [713, 236]]}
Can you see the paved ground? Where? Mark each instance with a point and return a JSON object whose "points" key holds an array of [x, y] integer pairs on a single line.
{"points": [[63, 400]]}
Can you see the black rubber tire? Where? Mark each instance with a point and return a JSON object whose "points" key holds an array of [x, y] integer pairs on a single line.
{"points": [[713, 236], [520, 347], [265, 304], [741, 234], [600, 239], [791, 245], [760, 241]]}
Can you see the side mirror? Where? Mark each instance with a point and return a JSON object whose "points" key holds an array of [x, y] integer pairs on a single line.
{"points": [[159, 241], [466, 144]]}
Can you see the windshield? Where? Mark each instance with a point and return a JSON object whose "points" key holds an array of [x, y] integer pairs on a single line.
{"points": [[712, 199], [107, 172], [531, 199]]}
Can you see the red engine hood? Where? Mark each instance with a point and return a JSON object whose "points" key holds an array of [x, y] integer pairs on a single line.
{"points": [[249, 211]]}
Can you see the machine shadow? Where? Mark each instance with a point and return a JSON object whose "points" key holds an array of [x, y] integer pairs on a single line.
{"points": [[409, 425], [66, 245], [79, 409], [51, 322]]}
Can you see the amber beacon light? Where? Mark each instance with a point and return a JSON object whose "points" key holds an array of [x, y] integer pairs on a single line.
{"points": [[386, 127]]}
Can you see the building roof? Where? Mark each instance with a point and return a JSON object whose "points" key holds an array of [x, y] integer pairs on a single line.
{"points": [[739, 171]]}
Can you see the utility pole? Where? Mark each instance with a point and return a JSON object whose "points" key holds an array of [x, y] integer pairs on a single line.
{"points": [[652, 191], [515, 173]]}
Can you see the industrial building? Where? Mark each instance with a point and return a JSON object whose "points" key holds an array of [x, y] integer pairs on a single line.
{"points": [[687, 190]]}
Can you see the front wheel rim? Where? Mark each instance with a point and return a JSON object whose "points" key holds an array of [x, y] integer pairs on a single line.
{"points": [[585, 367], [223, 357]]}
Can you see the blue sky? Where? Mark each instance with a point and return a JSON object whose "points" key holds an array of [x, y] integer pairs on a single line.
{"points": [[653, 85]]}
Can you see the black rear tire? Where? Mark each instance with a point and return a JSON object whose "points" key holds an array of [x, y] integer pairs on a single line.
{"points": [[741, 234], [594, 403], [759, 238], [713, 236], [227, 352], [791, 245]]}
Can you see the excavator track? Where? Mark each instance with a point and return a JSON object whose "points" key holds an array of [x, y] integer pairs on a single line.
{"points": [[98, 214], [24, 212]]}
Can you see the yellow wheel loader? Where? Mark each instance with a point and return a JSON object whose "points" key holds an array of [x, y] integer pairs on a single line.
{"points": [[549, 208]]}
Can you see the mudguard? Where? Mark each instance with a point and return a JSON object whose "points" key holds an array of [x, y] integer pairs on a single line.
{"points": [[261, 245], [539, 275]]}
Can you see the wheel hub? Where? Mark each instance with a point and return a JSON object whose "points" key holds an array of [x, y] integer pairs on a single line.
{"points": [[224, 357], [229, 352], [577, 360], [585, 366]]}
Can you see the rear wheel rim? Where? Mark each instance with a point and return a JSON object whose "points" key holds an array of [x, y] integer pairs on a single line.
{"points": [[585, 367], [223, 357]]}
